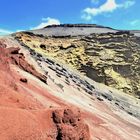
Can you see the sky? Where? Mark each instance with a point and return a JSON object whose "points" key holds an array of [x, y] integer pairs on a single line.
{"points": [[18, 15]]}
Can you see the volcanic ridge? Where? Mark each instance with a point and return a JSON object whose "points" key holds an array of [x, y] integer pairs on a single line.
{"points": [[70, 82]]}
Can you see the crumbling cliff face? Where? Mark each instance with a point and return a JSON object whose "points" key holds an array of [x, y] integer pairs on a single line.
{"points": [[109, 58]]}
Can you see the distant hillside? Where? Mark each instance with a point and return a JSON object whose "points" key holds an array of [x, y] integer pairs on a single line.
{"points": [[77, 29], [73, 30], [103, 54]]}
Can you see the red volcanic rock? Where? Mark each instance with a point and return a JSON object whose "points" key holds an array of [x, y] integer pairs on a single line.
{"points": [[22, 117], [16, 58], [3, 59], [70, 125], [19, 60]]}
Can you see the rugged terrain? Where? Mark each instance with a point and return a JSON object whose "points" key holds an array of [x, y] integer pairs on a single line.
{"points": [[48, 89], [108, 57]]}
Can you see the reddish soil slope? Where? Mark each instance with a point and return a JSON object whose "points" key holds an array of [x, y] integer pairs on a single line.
{"points": [[23, 117]]}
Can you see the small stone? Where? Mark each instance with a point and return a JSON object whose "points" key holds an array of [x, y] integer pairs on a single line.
{"points": [[24, 80]]}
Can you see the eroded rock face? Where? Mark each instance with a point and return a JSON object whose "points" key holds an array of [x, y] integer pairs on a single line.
{"points": [[18, 59], [109, 58], [69, 125], [116, 61]]}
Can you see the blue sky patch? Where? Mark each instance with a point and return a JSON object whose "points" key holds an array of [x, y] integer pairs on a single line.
{"points": [[17, 15]]}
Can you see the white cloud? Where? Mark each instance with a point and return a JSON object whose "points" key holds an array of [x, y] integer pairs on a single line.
{"points": [[47, 21], [19, 30], [86, 17], [135, 22], [5, 32], [108, 7]]}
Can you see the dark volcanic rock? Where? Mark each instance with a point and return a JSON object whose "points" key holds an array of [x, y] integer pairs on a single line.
{"points": [[24, 80]]}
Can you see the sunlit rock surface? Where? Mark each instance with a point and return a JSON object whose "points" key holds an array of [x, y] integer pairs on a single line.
{"points": [[111, 58], [48, 89]]}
